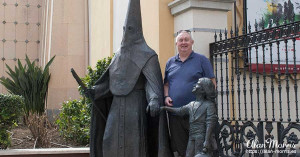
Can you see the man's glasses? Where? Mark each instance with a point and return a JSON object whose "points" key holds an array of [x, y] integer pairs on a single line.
{"points": [[188, 31]]}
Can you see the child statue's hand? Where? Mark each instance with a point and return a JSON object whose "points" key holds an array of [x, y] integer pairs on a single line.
{"points": [[162, 108]]}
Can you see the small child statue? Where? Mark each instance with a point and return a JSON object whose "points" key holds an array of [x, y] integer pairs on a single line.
{"points": [[202, 118]]}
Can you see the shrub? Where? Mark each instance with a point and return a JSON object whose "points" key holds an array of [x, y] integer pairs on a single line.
{"points": [[31, 82], [10, 110], [74, 121], [74, 118], [93, 75]]}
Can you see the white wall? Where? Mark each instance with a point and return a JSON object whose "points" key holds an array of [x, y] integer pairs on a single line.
{"points": [[119, 15]]}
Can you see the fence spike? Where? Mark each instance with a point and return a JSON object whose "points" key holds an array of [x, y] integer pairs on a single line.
{"points": [[285, 19], [231, 32], [262, 23], [215, 36], [277, 20], [293, 17], [237, 30], [256, 25], [244, 30], [220, 34], [225, 33], [249, 27]]}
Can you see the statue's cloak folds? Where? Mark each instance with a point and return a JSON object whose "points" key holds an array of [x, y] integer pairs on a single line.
{"points": [[132, 81]]}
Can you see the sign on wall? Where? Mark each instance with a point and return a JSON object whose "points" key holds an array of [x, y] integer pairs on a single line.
{"points": [[266, 13]]}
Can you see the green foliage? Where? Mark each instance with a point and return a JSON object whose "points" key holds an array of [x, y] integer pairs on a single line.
{"points": [[74, 118], [30, 81], [74, 121], [93, 75], [10, 111]]}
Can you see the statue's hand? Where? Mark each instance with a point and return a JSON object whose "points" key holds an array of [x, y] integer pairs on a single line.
{"points": [[206, 145], [162, 108], [90, 93], [153, 108]]}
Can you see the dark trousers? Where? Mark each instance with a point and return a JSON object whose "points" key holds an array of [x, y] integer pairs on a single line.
{"points": [[179, 129]]}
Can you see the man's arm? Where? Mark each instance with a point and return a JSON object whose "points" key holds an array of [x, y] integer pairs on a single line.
{"points": [[168, 99], [214, 82]]}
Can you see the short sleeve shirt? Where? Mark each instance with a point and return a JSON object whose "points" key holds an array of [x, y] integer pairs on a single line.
{"points": [[182, 76]]}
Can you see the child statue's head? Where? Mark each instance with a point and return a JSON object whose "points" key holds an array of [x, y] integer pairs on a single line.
{"points": [[205, 87]]}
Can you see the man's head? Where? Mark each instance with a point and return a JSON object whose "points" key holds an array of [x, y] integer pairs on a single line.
{"points": [[205, 87], [184, 42]]}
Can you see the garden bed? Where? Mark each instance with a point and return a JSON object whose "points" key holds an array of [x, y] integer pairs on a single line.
{"points": [[23, 145], [22, 139]]}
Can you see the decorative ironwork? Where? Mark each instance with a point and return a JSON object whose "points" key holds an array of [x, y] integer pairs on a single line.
{"points": [[265, 61]]}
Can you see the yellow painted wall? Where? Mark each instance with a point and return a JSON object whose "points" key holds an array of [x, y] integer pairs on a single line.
{"points": [[158, 27], [166, 31], [101, 14]]}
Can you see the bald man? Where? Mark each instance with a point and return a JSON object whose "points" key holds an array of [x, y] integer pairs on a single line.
{"points": [[181, 74]]}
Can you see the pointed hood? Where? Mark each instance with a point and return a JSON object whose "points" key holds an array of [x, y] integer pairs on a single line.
{"points": [[133, 30]]}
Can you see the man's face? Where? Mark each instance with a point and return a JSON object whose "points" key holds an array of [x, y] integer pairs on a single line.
{"points": [[184, 42]]}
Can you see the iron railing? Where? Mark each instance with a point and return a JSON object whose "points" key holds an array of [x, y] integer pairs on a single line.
{"points": [[257, 76]]}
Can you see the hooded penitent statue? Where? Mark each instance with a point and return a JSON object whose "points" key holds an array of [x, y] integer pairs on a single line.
{"points": [[129, 95]]}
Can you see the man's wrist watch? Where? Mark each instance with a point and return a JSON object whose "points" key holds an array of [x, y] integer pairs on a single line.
{"points": [[166, 96]]}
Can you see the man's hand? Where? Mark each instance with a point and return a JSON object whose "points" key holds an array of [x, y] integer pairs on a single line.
{"points": [[168, 101], [90, 93], [153, 109]]}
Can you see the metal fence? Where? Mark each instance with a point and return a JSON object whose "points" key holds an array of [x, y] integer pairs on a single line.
{"points": [[257, 77]]}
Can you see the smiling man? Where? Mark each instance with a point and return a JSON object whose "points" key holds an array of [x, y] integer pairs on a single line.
{"points": [[181, 74]]}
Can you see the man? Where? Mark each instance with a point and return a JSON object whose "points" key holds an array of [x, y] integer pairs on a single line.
{"points": [[126, 95], [181, 74]]}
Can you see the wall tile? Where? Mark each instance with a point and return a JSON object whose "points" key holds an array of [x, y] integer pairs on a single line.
{"points": [[34, 3], [75, 11], [21, 15], [58, 69], [1, 51], [9, 50], [32, 48], [20, 50], [22, 2], [76, 43], [10, 31], [56, 96], [33, 15], [21, 32], [60, 39], [1, 12], [33, 32], [11, 1], [1, 31], [10, 13]]}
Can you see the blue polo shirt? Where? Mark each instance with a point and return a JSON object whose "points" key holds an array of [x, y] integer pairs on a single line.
{"points": [[182, 76]]}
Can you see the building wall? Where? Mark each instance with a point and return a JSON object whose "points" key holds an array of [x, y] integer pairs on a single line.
{"points": [[157, 28], [69, 43], [101, 30], [20, 32]]}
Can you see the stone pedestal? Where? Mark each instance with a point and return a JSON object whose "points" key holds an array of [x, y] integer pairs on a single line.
{"points": [[203, 18]]}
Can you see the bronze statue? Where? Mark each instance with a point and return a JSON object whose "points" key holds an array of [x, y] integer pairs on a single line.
{"points": [[127, 99], [202, 119]]}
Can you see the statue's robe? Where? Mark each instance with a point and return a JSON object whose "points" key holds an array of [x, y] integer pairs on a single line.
{"points": [[132, 82]]}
